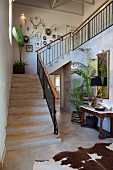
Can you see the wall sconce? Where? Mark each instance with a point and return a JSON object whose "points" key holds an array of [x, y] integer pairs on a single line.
{"points": [[23, 17]]}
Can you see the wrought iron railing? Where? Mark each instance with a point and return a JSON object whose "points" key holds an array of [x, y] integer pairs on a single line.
{"points": [[56, 49], [48, 89], [97, 23]]}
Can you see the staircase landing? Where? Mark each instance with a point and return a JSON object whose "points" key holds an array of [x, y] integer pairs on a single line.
{"points": [[29, 121]]}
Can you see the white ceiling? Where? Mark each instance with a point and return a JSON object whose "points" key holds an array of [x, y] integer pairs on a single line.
{"points": [[75, 7]]}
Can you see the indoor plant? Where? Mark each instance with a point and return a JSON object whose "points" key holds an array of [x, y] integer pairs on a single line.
{"points": [[87, 70], [19, 65], [75, 97]]}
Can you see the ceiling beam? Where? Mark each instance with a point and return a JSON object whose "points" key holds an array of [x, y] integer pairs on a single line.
{"points": [[84, 2], [50, 9], [54, 2]]}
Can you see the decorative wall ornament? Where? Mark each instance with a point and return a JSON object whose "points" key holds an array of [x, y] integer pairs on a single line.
{"points": [[44, 38], [26, 39], [53, 28], [54, 36], [36, 21], [48, 31], [44, 42]]}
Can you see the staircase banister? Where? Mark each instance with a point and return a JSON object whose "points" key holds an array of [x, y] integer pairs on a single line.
{"points": [[48, 77], [53, 42], [87, 19]]}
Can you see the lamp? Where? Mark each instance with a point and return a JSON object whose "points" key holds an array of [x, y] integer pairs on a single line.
{"points": [[96, 81]]}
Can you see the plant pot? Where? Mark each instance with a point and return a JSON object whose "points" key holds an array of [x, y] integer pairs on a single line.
{"points": [[18, 69], [75, 117]]}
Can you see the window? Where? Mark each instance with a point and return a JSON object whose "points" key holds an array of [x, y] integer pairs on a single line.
{"points": [[10, 21]]}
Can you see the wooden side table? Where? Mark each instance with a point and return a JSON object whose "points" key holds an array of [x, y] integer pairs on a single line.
{"points": [[101, 114]]}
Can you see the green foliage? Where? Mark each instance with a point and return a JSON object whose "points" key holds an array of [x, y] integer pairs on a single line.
{"points": [[76, 94], [22, 63], [17, 34], [86, 71], [103, 73]]}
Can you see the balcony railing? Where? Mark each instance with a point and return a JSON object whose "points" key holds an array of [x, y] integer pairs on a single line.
{"points": [[54, 50], [99, 21]]}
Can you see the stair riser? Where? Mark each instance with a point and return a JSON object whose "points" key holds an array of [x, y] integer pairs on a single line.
{"points": [[24, 119], [23, 85], [29, 110], [25, 80], [25, 76], [31, 144], [41, 128], [27, 96], [25, 90], [27, 103]]}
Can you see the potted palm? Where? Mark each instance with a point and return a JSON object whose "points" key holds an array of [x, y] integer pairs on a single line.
{"points": [[75, 97], [19, 65]]}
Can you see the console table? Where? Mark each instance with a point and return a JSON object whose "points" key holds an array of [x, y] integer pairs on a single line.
{"points": [[101, 115]]}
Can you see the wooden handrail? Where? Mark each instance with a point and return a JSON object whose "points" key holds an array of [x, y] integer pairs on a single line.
{"points": [[53, 41], [91, 16], [48, 77]]}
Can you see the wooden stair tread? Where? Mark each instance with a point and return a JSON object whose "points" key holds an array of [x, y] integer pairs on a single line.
{"points": [[27, 136], [29, 114], [29, 124]]}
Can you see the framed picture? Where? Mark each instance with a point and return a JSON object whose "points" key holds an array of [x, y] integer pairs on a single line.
{"points": [[38, 44], [29, 48], [38, 35]]}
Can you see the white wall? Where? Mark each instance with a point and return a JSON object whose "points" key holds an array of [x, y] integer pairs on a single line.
{"points": [[5, 71], [103, 41], [89, 9], [50, 18]]}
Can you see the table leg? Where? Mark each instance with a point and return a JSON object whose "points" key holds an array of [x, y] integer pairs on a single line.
{"points": [[101, 131], [82, 117]]}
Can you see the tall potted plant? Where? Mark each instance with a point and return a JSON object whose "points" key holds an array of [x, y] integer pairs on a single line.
{"points": [[19, 65], [75, 97]]}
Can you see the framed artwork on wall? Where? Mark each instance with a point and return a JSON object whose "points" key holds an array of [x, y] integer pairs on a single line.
{"points": [[38, 44], [38, 35], [29, 48]]}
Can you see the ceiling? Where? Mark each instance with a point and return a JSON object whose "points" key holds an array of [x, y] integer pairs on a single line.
{"points": [[75, 7]]}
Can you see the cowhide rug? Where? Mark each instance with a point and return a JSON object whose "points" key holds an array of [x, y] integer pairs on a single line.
{"points": [[99, 157]]}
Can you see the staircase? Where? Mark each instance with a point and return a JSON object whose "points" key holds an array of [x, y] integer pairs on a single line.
{"points": [[57, 53], [29, 121]]}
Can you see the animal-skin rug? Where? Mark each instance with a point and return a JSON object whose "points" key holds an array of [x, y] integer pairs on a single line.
{"points": [[99, 157]]}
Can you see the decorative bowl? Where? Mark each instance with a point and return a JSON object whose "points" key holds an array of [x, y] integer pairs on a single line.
{"points": [[99, 108]]}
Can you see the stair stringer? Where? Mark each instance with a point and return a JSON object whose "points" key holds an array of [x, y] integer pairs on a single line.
{"points": [[58, 63]]}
